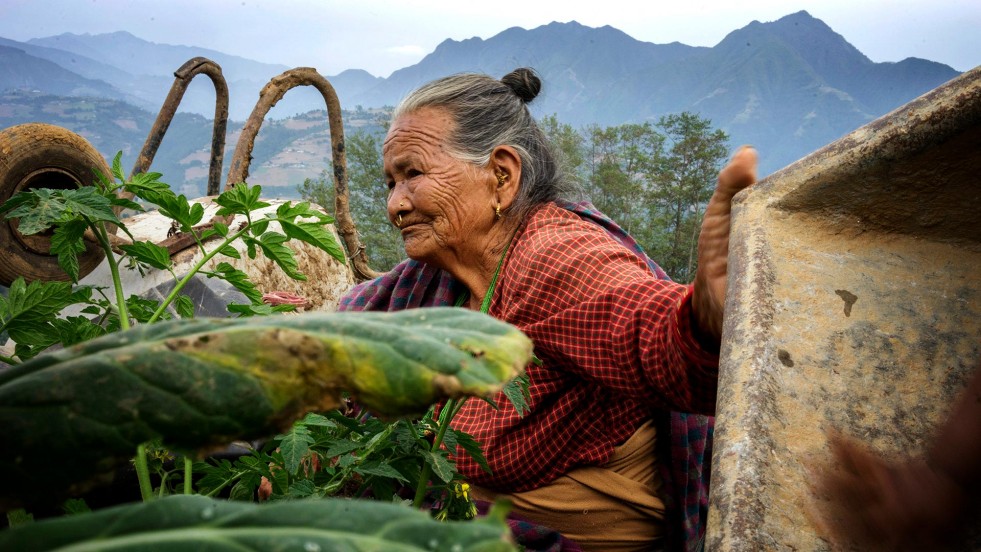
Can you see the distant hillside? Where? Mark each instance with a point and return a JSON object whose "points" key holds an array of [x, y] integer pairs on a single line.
{"points": [[21, 71], [286, 151], [788, 87]]}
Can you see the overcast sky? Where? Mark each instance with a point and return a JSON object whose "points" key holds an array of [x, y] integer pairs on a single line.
{"points": [[381, 36]]}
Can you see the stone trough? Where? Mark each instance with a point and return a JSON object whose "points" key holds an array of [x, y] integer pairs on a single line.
{"points": [[854, 304]]}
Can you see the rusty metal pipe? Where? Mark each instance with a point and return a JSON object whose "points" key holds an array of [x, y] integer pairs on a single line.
{"points": [[268, 97], [182, 78]]}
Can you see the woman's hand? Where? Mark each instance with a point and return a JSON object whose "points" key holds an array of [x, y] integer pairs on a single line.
{"points": [[713, 245]]}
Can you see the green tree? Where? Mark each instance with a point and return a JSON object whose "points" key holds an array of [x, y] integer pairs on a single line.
{"points": [[685, 183], [368, 199]]}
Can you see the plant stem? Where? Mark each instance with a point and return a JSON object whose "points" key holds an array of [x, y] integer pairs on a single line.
{"points": [[446, 414], [143, 473], [188, 488], [194, 270], [9, 360], [100, 232], [163, 482]]}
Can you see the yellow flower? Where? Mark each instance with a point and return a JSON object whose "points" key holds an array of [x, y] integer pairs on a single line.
{"points": [[462, 490]]}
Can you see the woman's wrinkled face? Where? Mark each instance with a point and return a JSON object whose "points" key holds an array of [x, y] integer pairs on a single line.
{"points": [[443, 202]]}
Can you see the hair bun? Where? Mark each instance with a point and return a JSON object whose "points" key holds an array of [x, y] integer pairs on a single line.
{"points": [[524, 82]]}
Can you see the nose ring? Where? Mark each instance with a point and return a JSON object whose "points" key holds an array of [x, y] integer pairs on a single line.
{"points": [[398, 221]]}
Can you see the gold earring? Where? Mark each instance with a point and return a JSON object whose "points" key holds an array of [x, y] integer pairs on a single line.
{"points": [[501, 179], [497, 210], [398, 221]]}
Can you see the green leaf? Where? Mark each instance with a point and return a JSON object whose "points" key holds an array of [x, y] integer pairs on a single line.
{"points": [[45, 208], [467, 442], [184, 306], [19, 518], [148, 188], [273, 246], [341, 447], [76, 329], [380, 470], [517, 392], [259, 227], [75, 506], [258, 310], [221, 229], [239, 280], [198, 523], [315, 234], [67, 242], [179, 209], [242, 491], [149, 253], [294, 445], [230, 251], [142, 309], [117, 167], [241, 199], [235, 378], [126, 204], [441, 466], [35, 302]]}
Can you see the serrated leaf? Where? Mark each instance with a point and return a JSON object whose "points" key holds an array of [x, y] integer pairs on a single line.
{"points": [[75, 506], [467, 443], [230, 251], [273, 247], [67, 242], [149, 253], [239, 280], [242, 491], [184, 306], [441, 467], [45, 208], [241, 199], [341, 447], [221, 229], [77, 329], [380, 470], [517, 392], [294, 445], [142, 309], [315, 234], [127, 204], [35, 301], [117, 166], [259, 227], [149, 189]]}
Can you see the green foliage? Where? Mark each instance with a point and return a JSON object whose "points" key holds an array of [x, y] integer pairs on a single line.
{"points": [[240, 377], [199, 523], [368, 199]]}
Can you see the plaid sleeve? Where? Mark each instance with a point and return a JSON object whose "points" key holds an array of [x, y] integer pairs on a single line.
{"points": [[593, 307]]}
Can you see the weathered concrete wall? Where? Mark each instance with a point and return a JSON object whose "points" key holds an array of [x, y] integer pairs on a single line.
{"points": [[854, 303]]}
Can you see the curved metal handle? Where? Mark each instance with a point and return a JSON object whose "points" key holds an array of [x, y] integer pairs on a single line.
{"points": [[183, 77], [271, 93]]}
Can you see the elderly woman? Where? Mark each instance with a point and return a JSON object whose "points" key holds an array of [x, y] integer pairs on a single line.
{"points": [[479, 198]]}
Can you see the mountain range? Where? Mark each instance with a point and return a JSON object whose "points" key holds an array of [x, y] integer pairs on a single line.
{"points": [[789, 86]]}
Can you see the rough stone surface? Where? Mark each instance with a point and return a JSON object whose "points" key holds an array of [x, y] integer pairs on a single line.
{"points": [[854, 304]]}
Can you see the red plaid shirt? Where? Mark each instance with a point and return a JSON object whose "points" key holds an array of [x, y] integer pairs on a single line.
{"points": [[615, 342]]}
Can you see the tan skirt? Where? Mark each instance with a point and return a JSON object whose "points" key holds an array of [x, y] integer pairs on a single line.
{"points": [[611, 508]]}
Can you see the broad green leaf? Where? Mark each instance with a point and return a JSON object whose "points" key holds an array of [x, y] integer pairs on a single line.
{"points": [[294, 445], [67, 242], [142, 309], [45, 208], [199, 523], [242, 491], [179, 209], [184, 306], [221, 229], [149, 189], [259, 227], [273, 245], [380, 470], [315, 234], [236, 378], [440, 465], [340, 447], [230, 251], [34, 302], [239, 280], [149, 253], [127, 204]]}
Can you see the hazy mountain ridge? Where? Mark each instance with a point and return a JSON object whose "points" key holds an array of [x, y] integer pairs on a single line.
{"points": [[788, 86]]}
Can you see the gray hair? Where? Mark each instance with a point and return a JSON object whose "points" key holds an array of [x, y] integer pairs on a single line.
{"points": [[488, 113]]}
